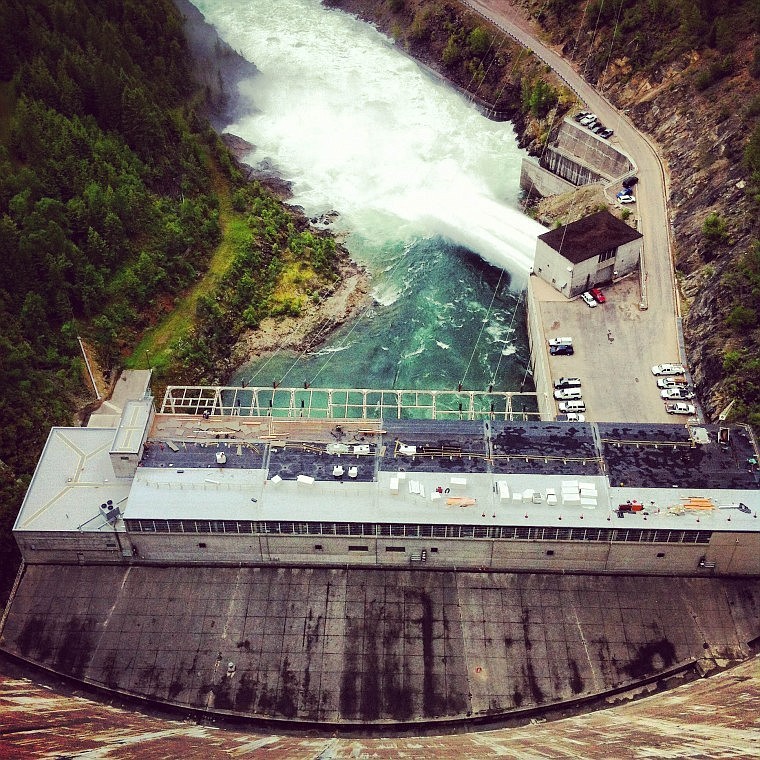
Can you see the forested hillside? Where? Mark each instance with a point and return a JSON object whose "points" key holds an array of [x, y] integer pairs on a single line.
{"points": [[114, 197]]}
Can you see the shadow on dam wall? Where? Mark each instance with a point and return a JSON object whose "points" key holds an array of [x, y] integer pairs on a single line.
{"points": [[359, 647]]}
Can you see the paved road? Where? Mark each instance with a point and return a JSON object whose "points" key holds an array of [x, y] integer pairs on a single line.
{"points": [[647, 337]]}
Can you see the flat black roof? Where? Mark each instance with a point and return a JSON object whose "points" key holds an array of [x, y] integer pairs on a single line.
{"points": [[662, 456], [633, 455]]}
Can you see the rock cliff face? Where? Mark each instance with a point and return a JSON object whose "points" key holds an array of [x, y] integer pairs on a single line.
{"points": [[216, 66], [701, 136], [700, 130]]}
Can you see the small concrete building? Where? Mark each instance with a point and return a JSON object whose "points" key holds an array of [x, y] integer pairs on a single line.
{"points": [[586, 253]]}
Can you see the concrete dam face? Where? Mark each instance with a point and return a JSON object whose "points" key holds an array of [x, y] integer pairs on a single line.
{"points": [[339, 646]]}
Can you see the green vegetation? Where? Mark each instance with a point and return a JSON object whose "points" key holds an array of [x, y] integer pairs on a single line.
{"points": [[538, 97], [121, 216], [715, 229], [714, 72]]}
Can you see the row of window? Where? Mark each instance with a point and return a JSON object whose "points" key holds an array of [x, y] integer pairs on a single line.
{"points": [[418, 530]]}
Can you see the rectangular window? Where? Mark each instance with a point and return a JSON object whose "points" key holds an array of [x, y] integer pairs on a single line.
{"points": [[318, 547], [434, 550], [201, 545], [357, 548], [395, 548]]}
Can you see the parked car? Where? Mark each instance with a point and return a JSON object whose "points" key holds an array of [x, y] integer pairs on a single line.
{"points": [[567, 382], [679, 394], [564, 349], [624, 193], [668, 369], [672, 382], [560, 341], [588, 119], [629, 182], [574, 405], [598, 295], [571, 417], [598, 129], [628, 199], [607, 134], [581, 115], [565, 394], [589, 299], [680, 407]]}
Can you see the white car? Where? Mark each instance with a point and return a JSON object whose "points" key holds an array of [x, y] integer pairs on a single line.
{"points": [[680, 407], [627, 199], [677, 394], [589, 299], [573, 405], [565, 394], [560, 341], [571, 417], [671, 382], [567, 382], [668, 369]]}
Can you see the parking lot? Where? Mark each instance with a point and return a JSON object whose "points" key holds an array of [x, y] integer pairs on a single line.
{"points": [[615, 346]]}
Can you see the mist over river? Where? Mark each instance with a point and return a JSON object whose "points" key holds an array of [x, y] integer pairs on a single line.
{"points": [[427, 190]]}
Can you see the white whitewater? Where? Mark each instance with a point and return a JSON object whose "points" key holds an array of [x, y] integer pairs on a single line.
{"points": [[358, 127]]}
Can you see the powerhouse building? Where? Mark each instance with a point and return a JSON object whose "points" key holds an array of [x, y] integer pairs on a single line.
{"points": [[591, 251], [217, 482]]}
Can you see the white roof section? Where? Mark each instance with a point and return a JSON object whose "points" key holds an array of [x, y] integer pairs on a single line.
{"points": [[73, 478], [211, 494], [404, 497], [133, 427]]}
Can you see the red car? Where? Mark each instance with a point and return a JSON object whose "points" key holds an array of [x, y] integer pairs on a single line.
{"points": [[598, 295]]}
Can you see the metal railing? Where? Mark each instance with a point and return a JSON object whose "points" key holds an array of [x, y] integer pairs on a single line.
{"points": [[349, 403]]}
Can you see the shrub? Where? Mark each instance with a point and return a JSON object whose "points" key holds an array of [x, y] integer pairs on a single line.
{"points": [[714, 73], [741, 317], [714, 228], [479, 41], [451, 53]]}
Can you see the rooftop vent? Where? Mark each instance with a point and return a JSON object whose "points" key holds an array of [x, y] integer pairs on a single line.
{"points": [[110, 511]]}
